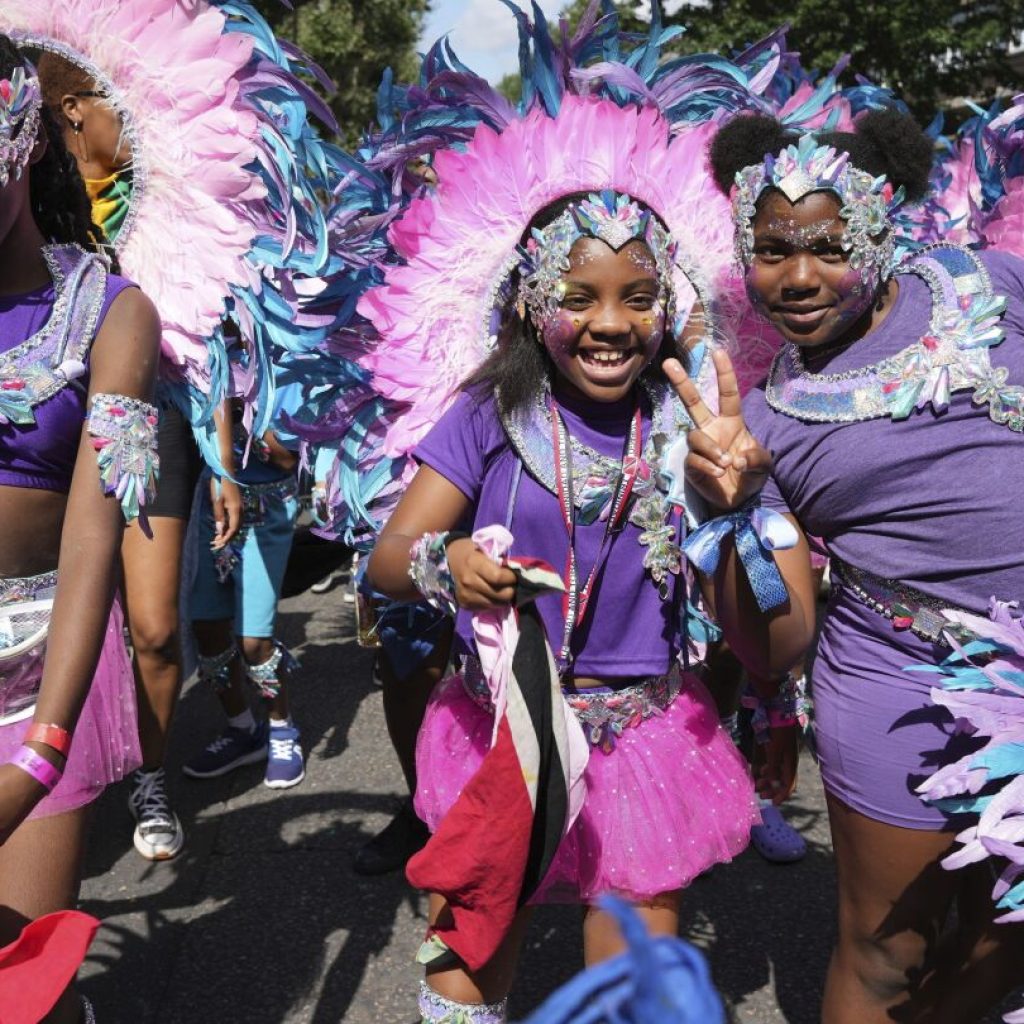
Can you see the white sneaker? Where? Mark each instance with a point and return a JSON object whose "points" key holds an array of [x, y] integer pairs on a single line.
{"points": [[322, 586], [158, 834]]}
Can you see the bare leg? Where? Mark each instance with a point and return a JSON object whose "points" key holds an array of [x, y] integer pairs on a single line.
{"points": [[602, 939], [893, 900], [978, 964], [152, 577], [40, 872], [493, 982], [405, 702]]}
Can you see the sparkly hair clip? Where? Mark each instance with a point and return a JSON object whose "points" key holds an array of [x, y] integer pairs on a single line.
{"points": [[867, 202], [21, 101], [616, 220], [124, 432]]}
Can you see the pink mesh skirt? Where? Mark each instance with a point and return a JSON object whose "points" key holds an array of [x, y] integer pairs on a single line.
{"points": [[672, 798], [105, 746]]}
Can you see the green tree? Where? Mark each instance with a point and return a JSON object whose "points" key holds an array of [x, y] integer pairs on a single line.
{"points": [[928, 53], [353, 41], [511, 86], [628, 20]]}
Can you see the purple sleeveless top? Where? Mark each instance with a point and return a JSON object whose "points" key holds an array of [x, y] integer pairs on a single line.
{"points": [[42, 455], [629, 630]]}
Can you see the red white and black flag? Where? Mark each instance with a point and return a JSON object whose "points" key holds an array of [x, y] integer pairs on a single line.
{"points": [[495, 845]]}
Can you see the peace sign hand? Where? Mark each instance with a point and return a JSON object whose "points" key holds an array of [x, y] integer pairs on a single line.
{"points": [[726, 464]]}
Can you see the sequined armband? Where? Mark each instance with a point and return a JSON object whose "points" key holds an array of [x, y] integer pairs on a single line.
{"points": [[124, 432], [790, 706], [428, 569]]}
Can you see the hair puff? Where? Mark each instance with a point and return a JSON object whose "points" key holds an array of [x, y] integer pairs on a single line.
{"points": [[743, 141]]}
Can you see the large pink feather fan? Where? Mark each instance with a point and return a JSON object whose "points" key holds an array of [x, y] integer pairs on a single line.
{"points": [[460, 242], [175, 71]]}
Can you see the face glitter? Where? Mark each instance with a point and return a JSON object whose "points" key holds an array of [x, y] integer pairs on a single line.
{"points": [[815, 236], [613, 218], [866, 202]]}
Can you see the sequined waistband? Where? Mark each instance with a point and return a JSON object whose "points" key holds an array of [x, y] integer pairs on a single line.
{"points": [[285, 488], [603, 714], [15, 589], [905, 607]]}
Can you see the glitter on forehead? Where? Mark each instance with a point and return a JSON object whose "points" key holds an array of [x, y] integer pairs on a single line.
{"points": [[790, 230], [20, 104], [866, 202], [613, 218], [642, 260]]}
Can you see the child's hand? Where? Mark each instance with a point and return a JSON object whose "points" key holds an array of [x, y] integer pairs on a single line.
{"points": [[726, 464], [480, 583], [226, 497]]}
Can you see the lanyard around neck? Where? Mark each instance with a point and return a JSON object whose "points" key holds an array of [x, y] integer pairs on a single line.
{"points": [[575, 600]]}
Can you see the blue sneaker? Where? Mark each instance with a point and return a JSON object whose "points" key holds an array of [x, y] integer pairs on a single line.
{"points": [[285, 766], [230, 750]]}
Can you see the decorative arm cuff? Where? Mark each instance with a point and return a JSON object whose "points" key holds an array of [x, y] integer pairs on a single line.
{"points": [[790, 706], [124, 432], [759, 532], [429, 571]]}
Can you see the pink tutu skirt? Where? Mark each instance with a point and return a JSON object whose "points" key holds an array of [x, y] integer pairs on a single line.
{"points": [[105, 746], [672, 797]]}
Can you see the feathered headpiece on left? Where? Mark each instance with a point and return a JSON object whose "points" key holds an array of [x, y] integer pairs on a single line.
{"points": [[225, 231]]}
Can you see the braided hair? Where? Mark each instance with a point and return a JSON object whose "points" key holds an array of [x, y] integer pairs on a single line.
{"points": [[60, 205]]}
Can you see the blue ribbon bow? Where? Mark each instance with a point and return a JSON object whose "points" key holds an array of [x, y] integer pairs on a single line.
{"points": [[759, 532]]}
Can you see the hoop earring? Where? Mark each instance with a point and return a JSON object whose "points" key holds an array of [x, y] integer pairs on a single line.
{"points": [[81, 143]]}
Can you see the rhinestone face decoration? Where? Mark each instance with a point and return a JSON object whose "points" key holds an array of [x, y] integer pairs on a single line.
{"points": [[866, 202], [616, 220], [21, 101]]}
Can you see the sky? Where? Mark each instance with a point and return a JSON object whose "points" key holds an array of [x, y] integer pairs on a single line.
{"points": [[483, 32]]}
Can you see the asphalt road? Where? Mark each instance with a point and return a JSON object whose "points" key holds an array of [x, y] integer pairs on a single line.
{"points": [[261, 920]]}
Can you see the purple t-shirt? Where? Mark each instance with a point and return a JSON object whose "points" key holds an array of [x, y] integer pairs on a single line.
{"points": [[934, 501], [42, 455], [629, 630]]}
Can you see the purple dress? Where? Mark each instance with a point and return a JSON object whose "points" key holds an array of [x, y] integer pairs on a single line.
{"points": [[932, 501], [669, 795]]}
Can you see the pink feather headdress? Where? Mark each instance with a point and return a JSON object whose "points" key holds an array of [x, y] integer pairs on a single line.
{"points": [[223, 207], [459, 243]]}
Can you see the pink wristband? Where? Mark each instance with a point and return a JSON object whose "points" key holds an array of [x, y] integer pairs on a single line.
{"points": [[38, 767]]}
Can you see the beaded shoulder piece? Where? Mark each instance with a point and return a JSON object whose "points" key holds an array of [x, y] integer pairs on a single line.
{"points": [[953, 356], [595, 476], [55, 355]]}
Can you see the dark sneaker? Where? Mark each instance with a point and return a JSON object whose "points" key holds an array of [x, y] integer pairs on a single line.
{"points": [[230, 750], [285, 766], [389, 850], [158, 833]]}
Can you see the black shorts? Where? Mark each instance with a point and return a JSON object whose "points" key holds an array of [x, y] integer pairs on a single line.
{"points": [[180, 466]]}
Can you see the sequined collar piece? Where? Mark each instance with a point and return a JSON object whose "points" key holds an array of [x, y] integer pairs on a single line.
{"points": [[595, 476], [55, 355], [953, 356]]}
